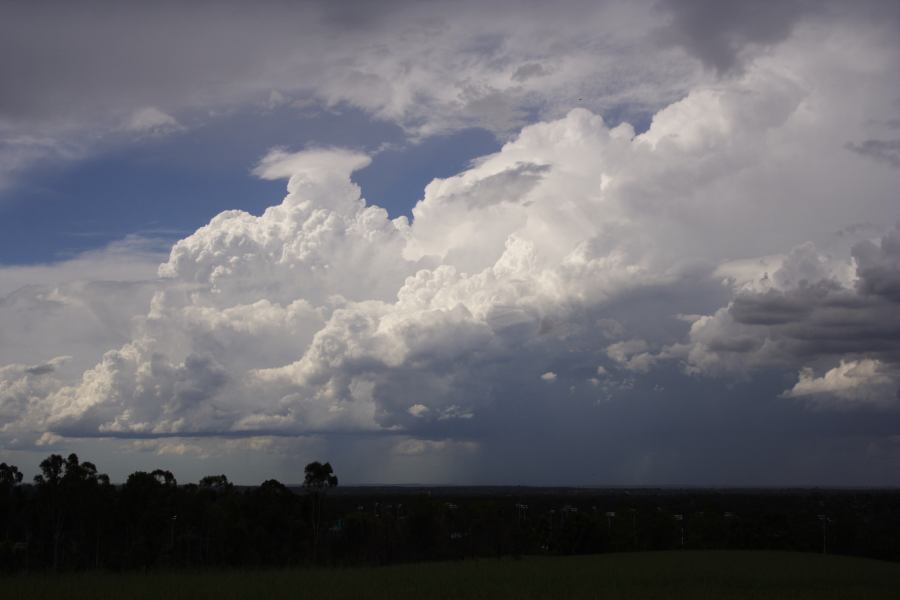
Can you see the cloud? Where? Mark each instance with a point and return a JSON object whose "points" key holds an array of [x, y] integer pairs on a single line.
{"points": [[79, 307], [280, 164], [855, 382], [22, 385], [82, 73], [886, 151], [418, 410], [327, 313], [878, 266], [814, 309], [23, 147], [581, 250], [529, 71], [132, 258], [725, 37], [720, 35], [631, 355], [151, 121]]}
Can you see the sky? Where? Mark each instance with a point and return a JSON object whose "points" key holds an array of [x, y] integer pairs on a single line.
{"points": [[644, 243]]}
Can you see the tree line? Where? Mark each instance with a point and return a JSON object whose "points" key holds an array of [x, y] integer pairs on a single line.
{"points": [[71, 517]]}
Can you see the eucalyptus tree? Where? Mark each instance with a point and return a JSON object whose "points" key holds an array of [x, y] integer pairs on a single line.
{"points": [[318, 479]]}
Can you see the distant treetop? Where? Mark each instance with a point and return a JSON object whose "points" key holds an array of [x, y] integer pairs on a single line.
{"points": [[319, 476]]}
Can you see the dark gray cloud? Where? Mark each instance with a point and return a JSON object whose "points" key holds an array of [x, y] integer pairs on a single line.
{"points": [[878, 266], [718, 32], [773, 307], [528, 71], [721, 33], [886, 151], [822, 319], [88, 73], [43, 369], [71, 60], [848, 331]]}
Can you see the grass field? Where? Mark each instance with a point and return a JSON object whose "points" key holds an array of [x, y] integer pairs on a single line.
{"points": [[688, 575]]}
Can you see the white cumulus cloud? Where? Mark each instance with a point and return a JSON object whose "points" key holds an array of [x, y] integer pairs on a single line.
{"points": [[850, 383]]}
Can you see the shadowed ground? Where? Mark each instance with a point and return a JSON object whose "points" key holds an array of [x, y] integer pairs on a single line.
{"points": [[637, 576]]}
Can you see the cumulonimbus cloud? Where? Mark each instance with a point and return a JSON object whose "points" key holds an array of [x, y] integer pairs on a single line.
{"points": [[579, 249]]}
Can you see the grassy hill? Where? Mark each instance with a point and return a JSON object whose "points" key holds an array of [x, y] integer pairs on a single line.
{"points": [[637, 576]]}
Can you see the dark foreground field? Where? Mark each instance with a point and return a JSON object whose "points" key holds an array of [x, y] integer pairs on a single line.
{"points": [[634, 576]]}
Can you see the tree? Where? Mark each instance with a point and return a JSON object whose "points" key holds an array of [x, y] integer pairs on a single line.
{"points": [[51, 471], [147, 505], [72, 489], [216, 482], [165, 478], [319, 478], [9, 475], [10, 478], [48, 482]]}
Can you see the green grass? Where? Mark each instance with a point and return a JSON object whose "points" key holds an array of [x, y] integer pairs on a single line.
{"points": [[689, 575]]}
